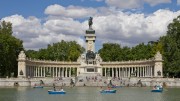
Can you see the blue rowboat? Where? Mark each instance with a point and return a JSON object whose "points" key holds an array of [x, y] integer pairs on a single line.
{"points": [[108, 91], [38, 87], [156, 90], [56, 92]]}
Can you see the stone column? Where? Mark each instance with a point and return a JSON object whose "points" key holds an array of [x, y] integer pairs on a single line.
{"points": [[112, 72], [116, 72], [149, 71], [66, 72], [140, 70], [152, 71], [129, 72], [62, 71], [56, 72], [41, 71], [59, 72], [105, 72], [21, 64], [38, 71], [34, 70], [70, 71]]}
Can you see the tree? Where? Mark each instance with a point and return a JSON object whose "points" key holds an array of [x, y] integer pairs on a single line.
{"points": [[9, 50], [111, 52], [171, 49], [62, 51]]}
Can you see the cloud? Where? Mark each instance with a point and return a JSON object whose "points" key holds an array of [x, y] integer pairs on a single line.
{"points": [[178, 2], [124, 4], [132, 29], [70, 11], [110, 25], [131, 4], [156, 2], [36, 35]]}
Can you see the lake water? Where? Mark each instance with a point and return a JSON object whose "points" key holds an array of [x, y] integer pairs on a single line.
{"points": [[88, 94]]}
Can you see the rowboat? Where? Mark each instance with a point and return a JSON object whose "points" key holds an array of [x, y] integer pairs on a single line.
{"points": [[56, 92], [157, 89], [108, 91]]}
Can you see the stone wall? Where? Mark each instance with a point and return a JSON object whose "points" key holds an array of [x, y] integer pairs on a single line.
{"points": [[20, 82]]}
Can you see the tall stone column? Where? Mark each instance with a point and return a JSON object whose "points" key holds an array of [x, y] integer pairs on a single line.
{"points": [[21, 64], [56, 72], [38, 72], [59, 71], [66, 72], [62, 71], [140, 70], [44, 71], [112, 71], [90, 39], [129, 72], [158, 65], [41, 71], [70, 71], [116, 72]]}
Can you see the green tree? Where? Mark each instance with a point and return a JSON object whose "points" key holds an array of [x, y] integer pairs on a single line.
{"points": [[61, 51], [9, 50], [111, 52], [171, 49]]}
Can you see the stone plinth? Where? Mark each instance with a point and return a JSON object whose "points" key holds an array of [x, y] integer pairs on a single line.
{"points": [[90, 31]]}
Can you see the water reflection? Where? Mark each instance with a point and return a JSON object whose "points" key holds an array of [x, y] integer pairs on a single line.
{"points": [[88, 94]]}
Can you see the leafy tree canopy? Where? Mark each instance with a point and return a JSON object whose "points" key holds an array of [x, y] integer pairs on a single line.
{"points": [[9, 50], [171, 49], [62, 51]]}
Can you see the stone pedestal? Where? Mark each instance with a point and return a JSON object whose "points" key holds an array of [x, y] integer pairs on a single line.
{"points": [[90, 40]]}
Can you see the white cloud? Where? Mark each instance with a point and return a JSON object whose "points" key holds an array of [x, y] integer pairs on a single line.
{"points": [[156, 2], [70, 11], [130, 4], [134, 28], [124, 4], [178, 2], [111, 26], [36, 35]]}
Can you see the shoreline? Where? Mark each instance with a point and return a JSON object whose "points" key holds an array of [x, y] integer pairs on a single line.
{"points": [[124, 82]]}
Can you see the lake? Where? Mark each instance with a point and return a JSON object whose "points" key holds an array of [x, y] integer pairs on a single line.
{"points": [[88, 94]]}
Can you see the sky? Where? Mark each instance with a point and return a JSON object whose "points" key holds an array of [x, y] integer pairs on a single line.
{"points": [[126, 22]]}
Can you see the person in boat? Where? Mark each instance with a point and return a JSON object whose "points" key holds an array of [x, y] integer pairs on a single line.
{"points": [[54, 87], [154, 87], [62, 89], [109, 88]]}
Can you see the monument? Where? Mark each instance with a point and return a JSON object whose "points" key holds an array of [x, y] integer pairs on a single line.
{"points": [[90, 63]]}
